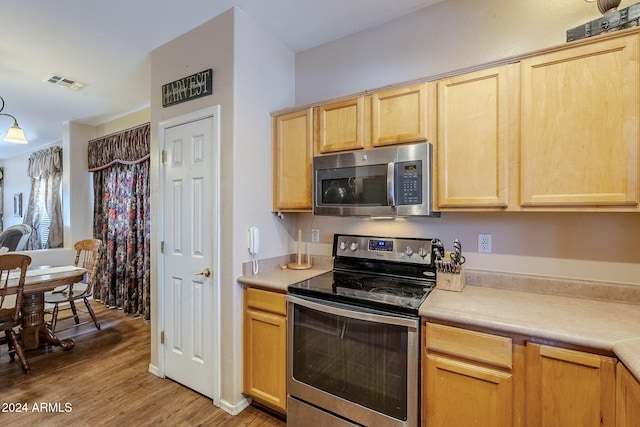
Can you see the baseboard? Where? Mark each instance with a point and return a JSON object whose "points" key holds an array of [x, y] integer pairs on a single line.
{"points": [[234, 409], [224, 405], [154, 370]]}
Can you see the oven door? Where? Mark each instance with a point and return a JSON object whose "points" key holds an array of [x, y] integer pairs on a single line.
{"points": [[353, 190], [359, 365]]}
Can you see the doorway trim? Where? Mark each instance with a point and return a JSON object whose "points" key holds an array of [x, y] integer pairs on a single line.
{"points": [[213, 112]]}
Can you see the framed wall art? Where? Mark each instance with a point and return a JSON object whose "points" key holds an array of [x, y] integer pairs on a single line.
{"points": [[17, 204]]}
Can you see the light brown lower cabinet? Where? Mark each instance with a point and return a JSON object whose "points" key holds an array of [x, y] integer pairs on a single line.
{"points": [[627, 398], [569, 388], [467, 378], [464, 394], [479, 379], [265, 348]]}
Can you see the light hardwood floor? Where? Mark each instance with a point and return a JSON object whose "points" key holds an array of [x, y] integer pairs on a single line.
{"points": [[104, 381]]}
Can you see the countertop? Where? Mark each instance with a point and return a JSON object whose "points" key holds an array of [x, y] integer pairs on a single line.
{"points": [[598, 316], [608, 326], [576, 321], [279, 280], [272, 276]]}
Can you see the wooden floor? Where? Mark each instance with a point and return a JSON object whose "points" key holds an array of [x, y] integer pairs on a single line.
{"points": [[104, 381]]}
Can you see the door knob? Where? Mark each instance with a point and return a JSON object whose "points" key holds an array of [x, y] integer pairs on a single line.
{"points": [[206, 272]]}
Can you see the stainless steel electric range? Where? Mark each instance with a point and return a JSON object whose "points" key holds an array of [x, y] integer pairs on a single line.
{"points": [[354, 334]]}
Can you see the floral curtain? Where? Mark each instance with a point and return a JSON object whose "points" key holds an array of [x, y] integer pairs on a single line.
{"points": [[120, 166], [45, 171]]}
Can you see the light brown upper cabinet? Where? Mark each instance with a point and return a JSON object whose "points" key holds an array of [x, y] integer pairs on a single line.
{"points": [[399, 115], [473, 124], [394, 116], [340, 126], [292, 159], [580, 133]]}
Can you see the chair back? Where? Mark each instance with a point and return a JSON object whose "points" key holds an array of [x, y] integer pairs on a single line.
{"points": [[16, 237], [87, 254], [9, 264]]}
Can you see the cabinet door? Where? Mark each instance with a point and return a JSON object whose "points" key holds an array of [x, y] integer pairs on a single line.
{"points": [[265, 351], [265, 358], [292, 159], [399, 115], [341, 126], [627, 398], [473, 136], [467, 377], [569, 388], [464, 394], [579, 135]]}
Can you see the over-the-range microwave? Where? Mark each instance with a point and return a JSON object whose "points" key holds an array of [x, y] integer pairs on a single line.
{"points": [[381, 182]]}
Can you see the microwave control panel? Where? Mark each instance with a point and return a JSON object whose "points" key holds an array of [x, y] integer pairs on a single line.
{"points": [[409, 182]]}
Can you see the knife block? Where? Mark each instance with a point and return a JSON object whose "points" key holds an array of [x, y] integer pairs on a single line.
{"points": [[450, 281]]}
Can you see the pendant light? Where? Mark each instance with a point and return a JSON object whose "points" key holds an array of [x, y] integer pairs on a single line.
{"points": [[15, 135]]}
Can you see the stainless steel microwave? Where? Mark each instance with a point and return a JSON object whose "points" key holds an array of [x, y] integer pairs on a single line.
{"points": [[394, 181]]}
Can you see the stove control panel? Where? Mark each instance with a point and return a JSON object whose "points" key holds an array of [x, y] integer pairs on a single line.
{"points": [[409, 250], [381, 245]]}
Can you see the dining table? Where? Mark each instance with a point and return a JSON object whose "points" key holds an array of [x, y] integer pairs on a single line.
{"points": [[34, 330]]}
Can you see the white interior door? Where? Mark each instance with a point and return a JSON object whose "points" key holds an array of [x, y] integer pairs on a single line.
{"points": [[190, 232]]}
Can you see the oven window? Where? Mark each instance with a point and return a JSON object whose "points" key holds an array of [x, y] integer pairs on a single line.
{"points": [[359, 185], [360, 361]]}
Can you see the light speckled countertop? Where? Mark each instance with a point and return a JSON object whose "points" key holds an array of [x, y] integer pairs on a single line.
{"points": [[271, 276], [279, 280], [606, 324], [602, 317]]}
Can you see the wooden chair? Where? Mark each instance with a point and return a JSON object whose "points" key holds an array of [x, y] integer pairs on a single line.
{"points": [[86, 257], [10, 304]]}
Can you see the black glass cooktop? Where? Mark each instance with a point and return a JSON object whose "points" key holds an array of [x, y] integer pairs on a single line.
{"points": [[386, 274], [398, 295]]}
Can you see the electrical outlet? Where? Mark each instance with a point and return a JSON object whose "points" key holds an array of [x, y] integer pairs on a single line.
{"points": [[484, 243], [315, 235]]}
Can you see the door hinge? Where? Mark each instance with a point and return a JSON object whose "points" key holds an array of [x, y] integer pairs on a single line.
{"points": [[162, 337], [162, 247], [164, 156]]}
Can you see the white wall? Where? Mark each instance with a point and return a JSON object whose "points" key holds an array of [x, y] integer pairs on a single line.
{"points": [[16, 181], [263, 79], [77, 194], [207, 46], [253, 74], [449, 36], [77, 183]]}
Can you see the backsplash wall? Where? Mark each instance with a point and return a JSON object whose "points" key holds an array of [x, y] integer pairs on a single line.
{"points": [[449, 36], [593, 246]]}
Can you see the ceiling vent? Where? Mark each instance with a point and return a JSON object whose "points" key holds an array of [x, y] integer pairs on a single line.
{"points": [[65, 82]]}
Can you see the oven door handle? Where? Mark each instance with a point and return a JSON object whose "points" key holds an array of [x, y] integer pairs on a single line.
{"points": [[353, 313]]}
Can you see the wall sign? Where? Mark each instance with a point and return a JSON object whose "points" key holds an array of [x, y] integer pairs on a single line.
{"points": [[187, 88], [17, 204]]}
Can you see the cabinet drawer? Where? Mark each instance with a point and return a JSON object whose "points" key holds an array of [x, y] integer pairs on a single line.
{"points": [[270, 301], [471, 345]]}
